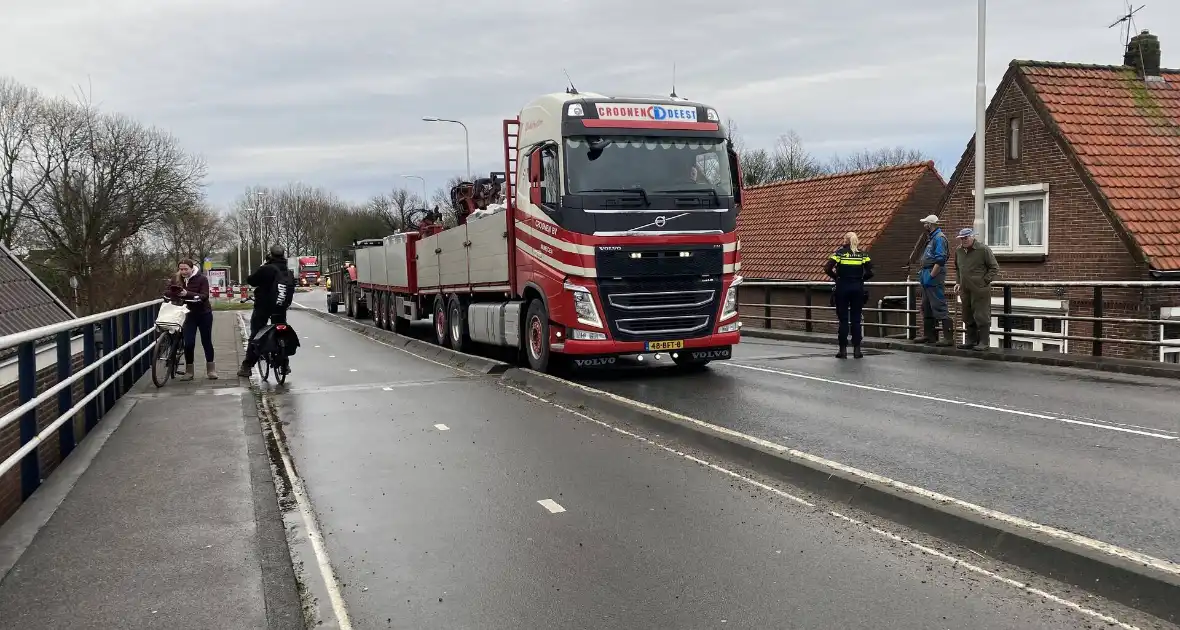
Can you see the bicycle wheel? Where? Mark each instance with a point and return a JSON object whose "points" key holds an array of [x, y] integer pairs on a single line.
{"points": [[161, 357], [281, 363], [178, 353], [264, 366]]}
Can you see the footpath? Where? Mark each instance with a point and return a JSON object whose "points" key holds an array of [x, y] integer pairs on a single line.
{"points": [[172, 523]]}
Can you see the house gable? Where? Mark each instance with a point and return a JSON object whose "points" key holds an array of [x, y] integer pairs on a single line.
{"points": [[1083, 243], [26, 303]]}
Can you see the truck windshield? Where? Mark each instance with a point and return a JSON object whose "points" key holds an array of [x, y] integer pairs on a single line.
{"points": [[651, 164]]}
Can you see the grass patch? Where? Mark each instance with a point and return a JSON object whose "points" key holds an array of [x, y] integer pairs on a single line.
{"points": [[231, 305]]}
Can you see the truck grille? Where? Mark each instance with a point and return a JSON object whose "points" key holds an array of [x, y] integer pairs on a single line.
{"points": [[656, 309]]}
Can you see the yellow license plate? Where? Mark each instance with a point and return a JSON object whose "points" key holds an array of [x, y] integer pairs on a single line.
{"points": [[664, 345]]}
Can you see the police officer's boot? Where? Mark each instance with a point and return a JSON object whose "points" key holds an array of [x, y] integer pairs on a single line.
{"points": [[843, 353], [856, 353], [948, 333]]}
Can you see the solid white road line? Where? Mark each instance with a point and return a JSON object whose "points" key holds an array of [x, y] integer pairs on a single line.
{"points": [[1089, 612], [352, 370], [551, 505], [951, 401], [442, 427]]}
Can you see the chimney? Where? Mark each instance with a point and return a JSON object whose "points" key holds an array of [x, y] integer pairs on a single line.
{"points": [[1143, 54]]}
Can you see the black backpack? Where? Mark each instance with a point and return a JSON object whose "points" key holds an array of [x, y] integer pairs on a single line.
{"points": [[284, 287]]}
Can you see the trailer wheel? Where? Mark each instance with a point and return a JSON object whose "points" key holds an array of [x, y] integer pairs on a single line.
{"points": [[460, 341], [442, 332], [387, 314], [379, 309], [362, 309], [536, 336]]}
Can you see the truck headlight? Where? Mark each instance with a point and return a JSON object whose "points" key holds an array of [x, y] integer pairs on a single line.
{"points": [[584, 306], [730, 308]]}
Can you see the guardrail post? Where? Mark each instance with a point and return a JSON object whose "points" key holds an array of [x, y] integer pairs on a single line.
{"points": [[767, 308], [65, 398], [145, 324], [108, 366], [1097, 321], [30, 469], [1007, 318], [89, 356], [128, 376], [911, 317], [807, 311]]}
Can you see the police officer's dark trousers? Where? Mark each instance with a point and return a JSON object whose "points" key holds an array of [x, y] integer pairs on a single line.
{"points": [[849, 302]]}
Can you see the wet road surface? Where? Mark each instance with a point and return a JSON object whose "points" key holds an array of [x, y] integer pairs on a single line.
{"points": [[450, 501], [1089, 452], [1092, 453]]}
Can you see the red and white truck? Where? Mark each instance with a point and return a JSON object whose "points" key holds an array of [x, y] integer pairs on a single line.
{"points": [[616, 237], [309, 271]]}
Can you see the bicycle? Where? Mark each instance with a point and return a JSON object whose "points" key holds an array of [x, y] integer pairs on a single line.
{"points": [[170, 343], [275, 358]]}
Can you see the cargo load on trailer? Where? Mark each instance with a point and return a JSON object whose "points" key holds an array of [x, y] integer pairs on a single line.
{"points": [[610, 232]]}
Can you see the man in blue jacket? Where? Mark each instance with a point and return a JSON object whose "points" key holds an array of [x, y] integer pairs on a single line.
{"points": [[933, 280]]}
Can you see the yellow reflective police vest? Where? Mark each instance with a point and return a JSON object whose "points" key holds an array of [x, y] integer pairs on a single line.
{"points": [[850, 264]]}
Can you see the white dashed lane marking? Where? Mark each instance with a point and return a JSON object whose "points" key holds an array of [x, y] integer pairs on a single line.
{"points": [[442, 427], [551, 505]]}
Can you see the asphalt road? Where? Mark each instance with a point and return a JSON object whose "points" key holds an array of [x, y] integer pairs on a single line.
{"points": [[1088, 452], [450, 501]]}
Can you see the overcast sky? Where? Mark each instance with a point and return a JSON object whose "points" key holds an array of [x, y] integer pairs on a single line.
{"points": [[332, 93]]}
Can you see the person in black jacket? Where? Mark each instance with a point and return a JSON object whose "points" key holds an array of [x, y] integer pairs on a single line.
{"points": [[265, 280], [850, 268]]}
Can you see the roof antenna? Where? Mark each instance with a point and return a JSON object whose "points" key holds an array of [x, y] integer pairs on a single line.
{"points": [[673, 94], [1129, 19], [571, 89]]}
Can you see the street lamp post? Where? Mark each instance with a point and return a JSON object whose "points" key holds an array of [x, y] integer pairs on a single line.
{"points": [[980, 115], [466, 137], [423, 180]]}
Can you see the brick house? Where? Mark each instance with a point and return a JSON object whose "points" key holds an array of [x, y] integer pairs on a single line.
{"points": [[788, 229], [26, 303], [1082, 184]]}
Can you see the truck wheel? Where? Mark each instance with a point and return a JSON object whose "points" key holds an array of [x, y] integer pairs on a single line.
{"points": [[457, 318], [379, 310], [362, 309], [442, 332], [332, 306], [387, 314], [536, 336]]}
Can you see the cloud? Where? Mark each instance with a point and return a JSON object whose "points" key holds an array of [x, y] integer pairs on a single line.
{"points": [[333, 94]]}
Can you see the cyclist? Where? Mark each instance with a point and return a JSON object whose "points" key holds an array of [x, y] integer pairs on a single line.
{"points": [[274, 289]]}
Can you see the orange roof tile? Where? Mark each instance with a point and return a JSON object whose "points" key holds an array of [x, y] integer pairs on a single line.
{"points": [[1126, 133], [788, 229]]}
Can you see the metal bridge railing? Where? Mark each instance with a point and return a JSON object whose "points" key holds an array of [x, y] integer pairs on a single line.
{"points": [[115, 353], [905, 313]]}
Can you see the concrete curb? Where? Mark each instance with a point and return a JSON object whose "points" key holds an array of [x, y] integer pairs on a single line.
{"points": [[417, 347], [1101, 364], [1123, 579]]}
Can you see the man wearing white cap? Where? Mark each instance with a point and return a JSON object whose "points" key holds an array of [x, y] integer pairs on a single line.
{"points": [[975, 268], [933, 280]]}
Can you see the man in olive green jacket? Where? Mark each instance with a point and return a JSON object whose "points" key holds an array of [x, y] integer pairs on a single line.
{"points": [[975, 269]]}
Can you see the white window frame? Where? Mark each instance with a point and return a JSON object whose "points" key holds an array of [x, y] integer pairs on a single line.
{"points": [[1172, 314], [1013, 195], [1036, 309]]}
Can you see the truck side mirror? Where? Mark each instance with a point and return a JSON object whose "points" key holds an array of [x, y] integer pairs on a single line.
{"points": [[735, 170], [535, 195], [535, 174]]}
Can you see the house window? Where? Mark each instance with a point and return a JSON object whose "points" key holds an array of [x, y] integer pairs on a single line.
{"points": [[1017, 220], [1014, 138], [1030, 316], [1170, 332]]}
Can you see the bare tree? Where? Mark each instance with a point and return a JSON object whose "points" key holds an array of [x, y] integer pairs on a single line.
{"points": [[396, 207], [196, 232], [19, 179], [875, 158], [108, 181]]}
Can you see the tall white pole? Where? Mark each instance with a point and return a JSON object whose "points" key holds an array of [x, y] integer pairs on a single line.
{"points": [[466, 137], [239, 276], [980, 116]]}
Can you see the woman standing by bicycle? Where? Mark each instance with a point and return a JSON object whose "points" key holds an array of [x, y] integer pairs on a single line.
{"points": [[200, 319]]}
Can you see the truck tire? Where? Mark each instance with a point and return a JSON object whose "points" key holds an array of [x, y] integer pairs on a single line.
{"points": [[442, 332], [387, 314], [457, 319], [332, 305], [362, 308], [379, 309], [536, 336]]}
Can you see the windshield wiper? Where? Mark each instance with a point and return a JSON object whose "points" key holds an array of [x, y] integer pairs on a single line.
{"points": [[710, 190], [633, 189]]}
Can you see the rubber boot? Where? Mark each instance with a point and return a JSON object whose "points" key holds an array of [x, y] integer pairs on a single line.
{"points": [[211, 371], [931, 329], [948, 333]]}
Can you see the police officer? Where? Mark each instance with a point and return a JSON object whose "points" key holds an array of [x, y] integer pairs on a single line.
{"points": [[850, 268]]}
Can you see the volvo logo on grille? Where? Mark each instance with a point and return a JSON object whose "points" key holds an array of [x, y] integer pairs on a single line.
{"points": [[661, 221]]}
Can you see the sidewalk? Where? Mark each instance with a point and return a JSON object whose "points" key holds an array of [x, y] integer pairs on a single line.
{"points": [[175, 523]]}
